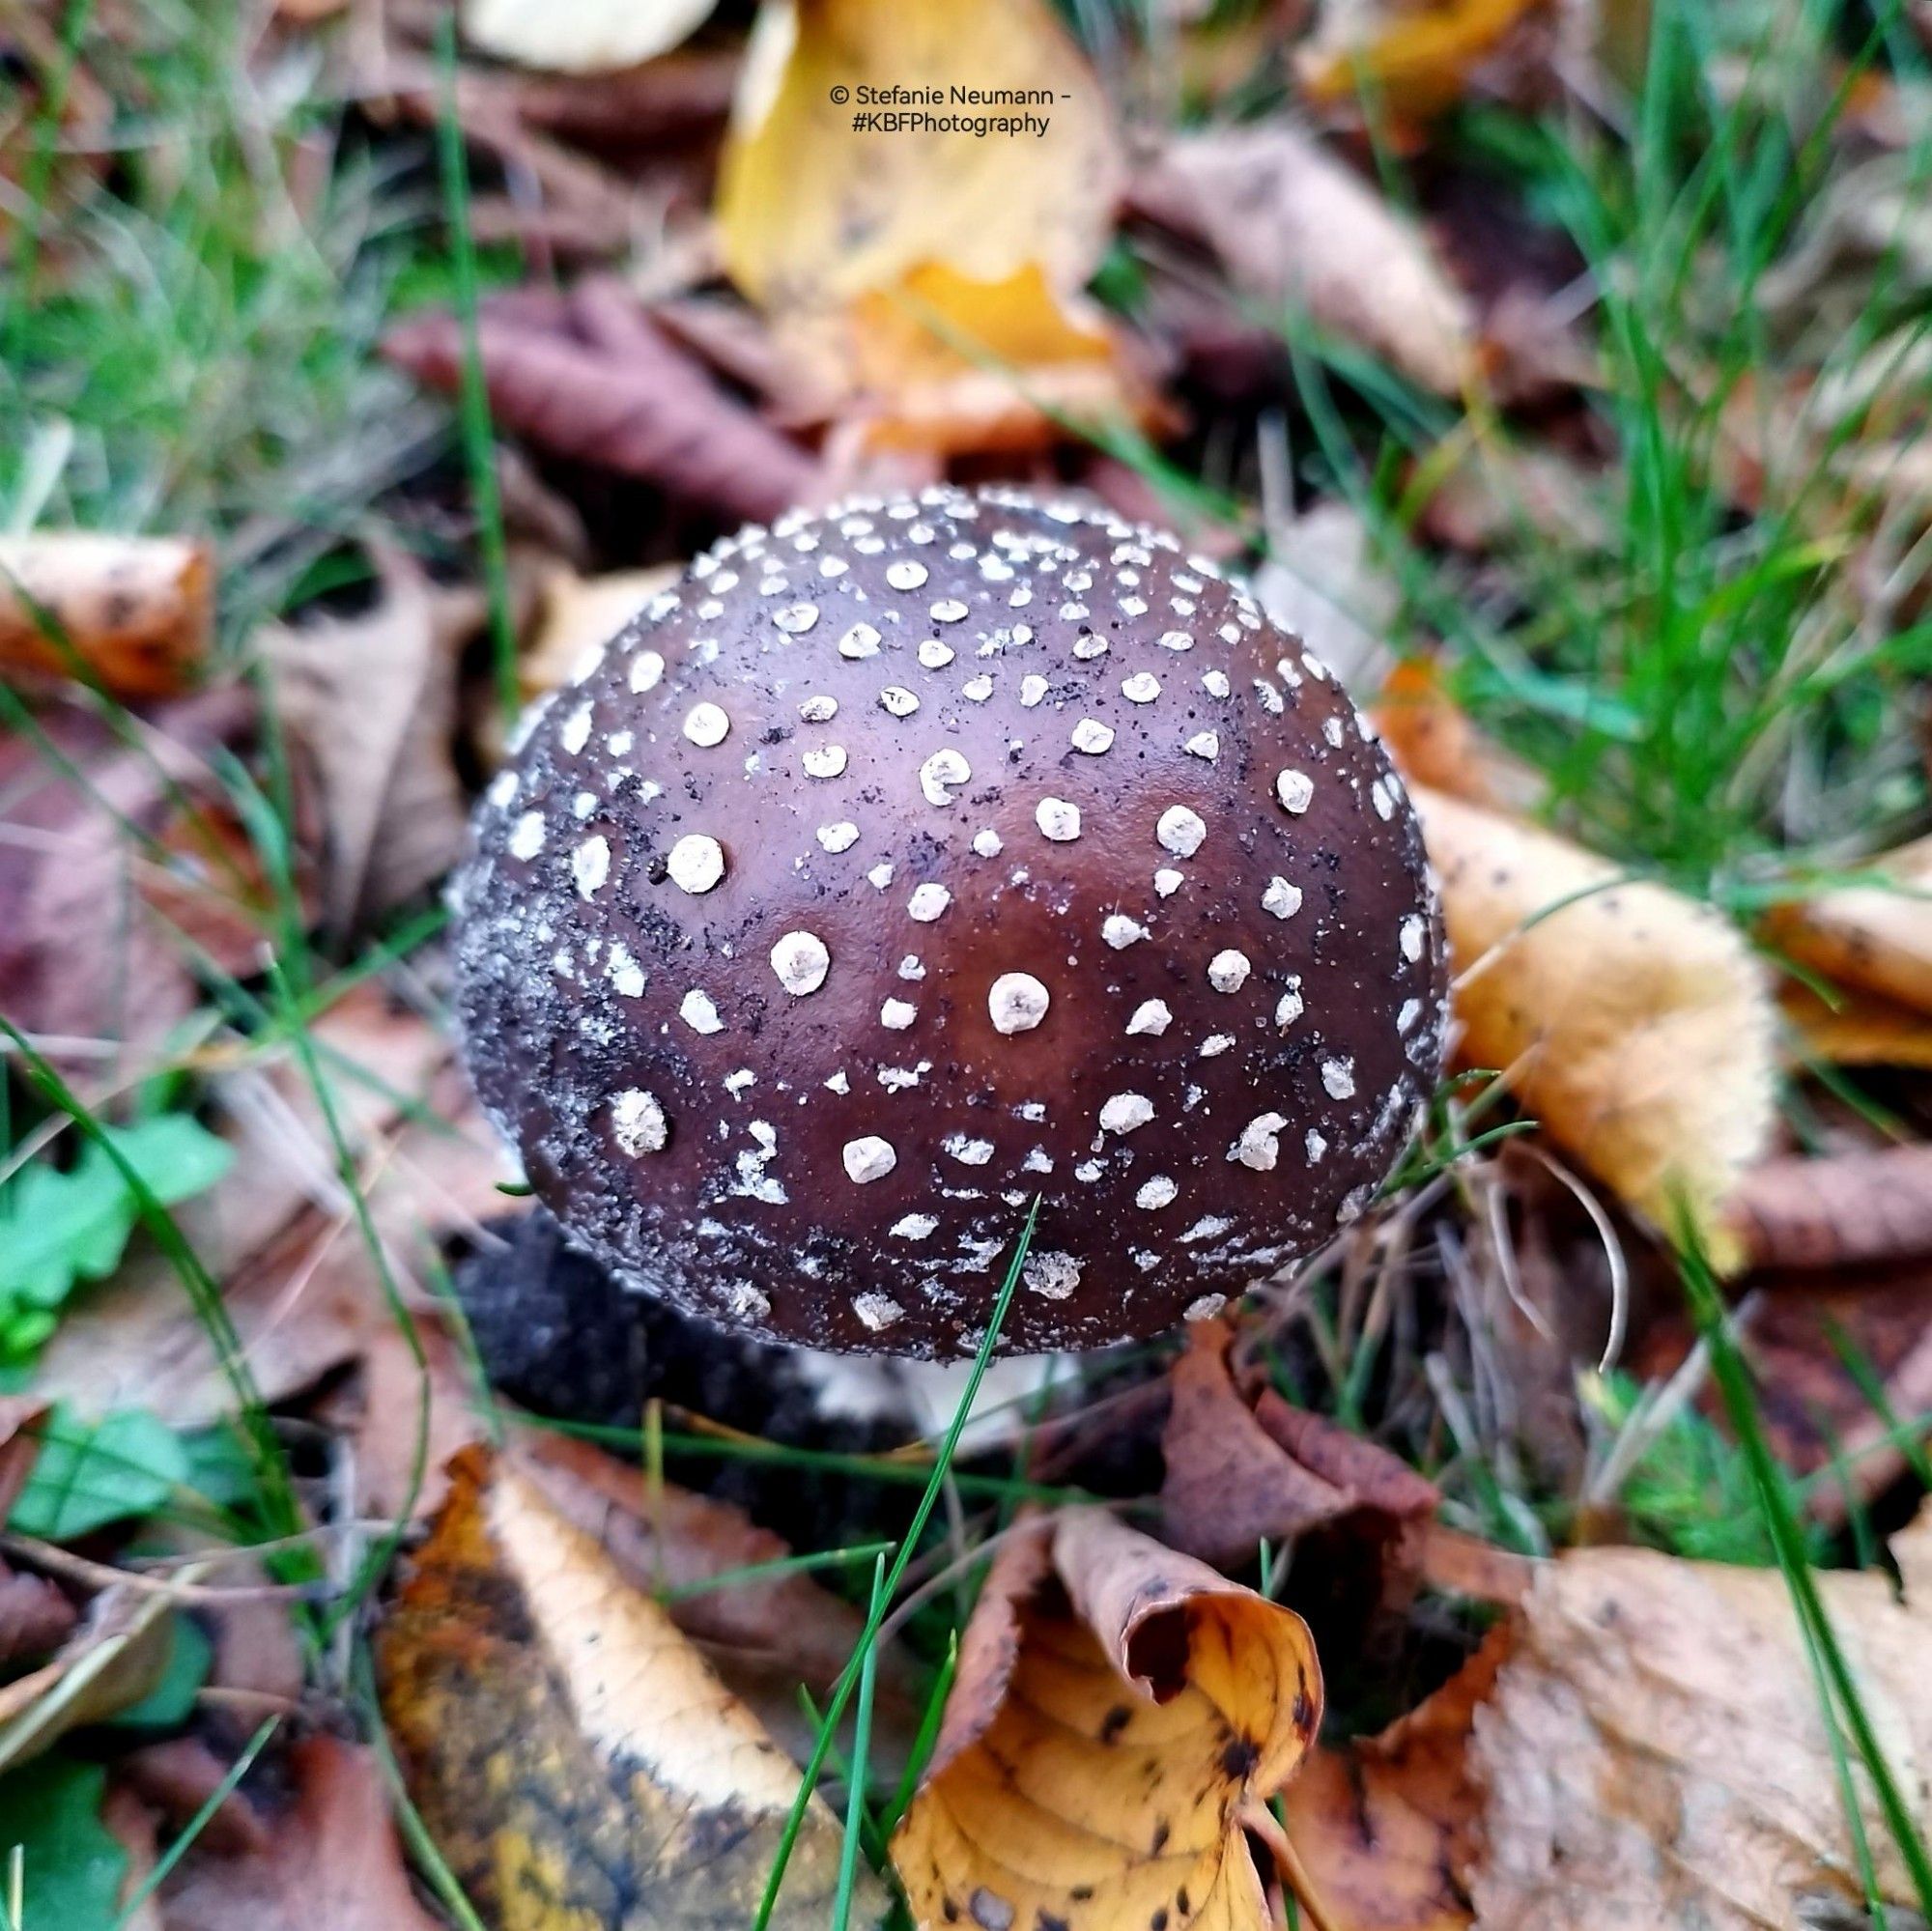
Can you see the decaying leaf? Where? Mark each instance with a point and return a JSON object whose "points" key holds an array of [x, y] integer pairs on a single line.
{"points": [[1293, 225], [1876, 936], [1240, 1472], [1655, 1751], [134, 613], [102, 870], [1320, 581], [1386, 1826], [331, 1857], [582, 36], [930, 277], [653, 415], [573, 1756], [113, 1659], [1117, 1708], [1631, 1021], [373, 699]]}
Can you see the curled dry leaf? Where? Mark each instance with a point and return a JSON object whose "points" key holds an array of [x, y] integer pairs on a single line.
{"points": [[1629, 1020], [1840, 1211], [582, 36], [1655, 1751], [1118, 1707], [655, 415], [132, 613], [113, 1659], [929, 278], [1238, 1473], [1293, 225], [1876, 936], [574, 1758]]}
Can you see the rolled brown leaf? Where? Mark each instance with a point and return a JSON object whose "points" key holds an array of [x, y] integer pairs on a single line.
{"points": [[134, 613], [652, 412], [1847, 1210]]}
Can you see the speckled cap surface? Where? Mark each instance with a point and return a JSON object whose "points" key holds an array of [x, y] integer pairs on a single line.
{"points": [[908, 862]]}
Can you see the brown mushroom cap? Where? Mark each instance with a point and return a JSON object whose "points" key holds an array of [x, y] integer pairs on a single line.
{"points": [[912, 860]]}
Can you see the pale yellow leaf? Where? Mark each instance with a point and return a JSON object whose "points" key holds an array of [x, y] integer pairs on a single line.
{"points": [[1632, 1022], [1876, 936]]}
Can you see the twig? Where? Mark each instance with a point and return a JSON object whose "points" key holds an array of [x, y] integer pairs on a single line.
{"points": [[104, 1575]]}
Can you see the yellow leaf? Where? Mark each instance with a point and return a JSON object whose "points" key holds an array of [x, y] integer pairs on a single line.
{"points": [[931, 278], [1118, 1707], [1876, 936], [1866, 1030], [1417, 60], [1631, 1021], [575, 1759], [812, 213]]}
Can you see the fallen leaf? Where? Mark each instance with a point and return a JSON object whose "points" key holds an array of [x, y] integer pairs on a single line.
{"points": [[655, 416], [279, 1232], [92, 919], [1118, 1708], [1241, 1472], [332, 1859], [1434, 742], [1836, 1210], [1631, 1021], [928, 279], [35, 1617], [372, 699], [764, 1635], [1876, 936], [134, 613], [1415, 60], [1856, 1029], [941, 364], [1386, 1825], [1320, 581], [115, 1656], [813, 213], [1655, 1751], [573, 1755], [582, 36], [579, 615], [1296, 228]]}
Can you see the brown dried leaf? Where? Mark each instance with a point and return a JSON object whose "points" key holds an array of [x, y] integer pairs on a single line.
{"points": [[1655, 1751], [372, 699], [1631, 1021], [332, 1859], [1293, 225], [1118, 1708], [655, 415], [1387, 1826], [573, 1755], [113, 1659], [1238, 1473], [101, 872], [35, 1617], [1843, 1210], [136, 611]]}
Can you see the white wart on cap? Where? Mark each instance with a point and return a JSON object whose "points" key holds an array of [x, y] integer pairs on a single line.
{"points": [[909, 861]]}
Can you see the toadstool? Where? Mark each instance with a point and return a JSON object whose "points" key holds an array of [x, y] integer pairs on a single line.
{"points": [[909, 861]]}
